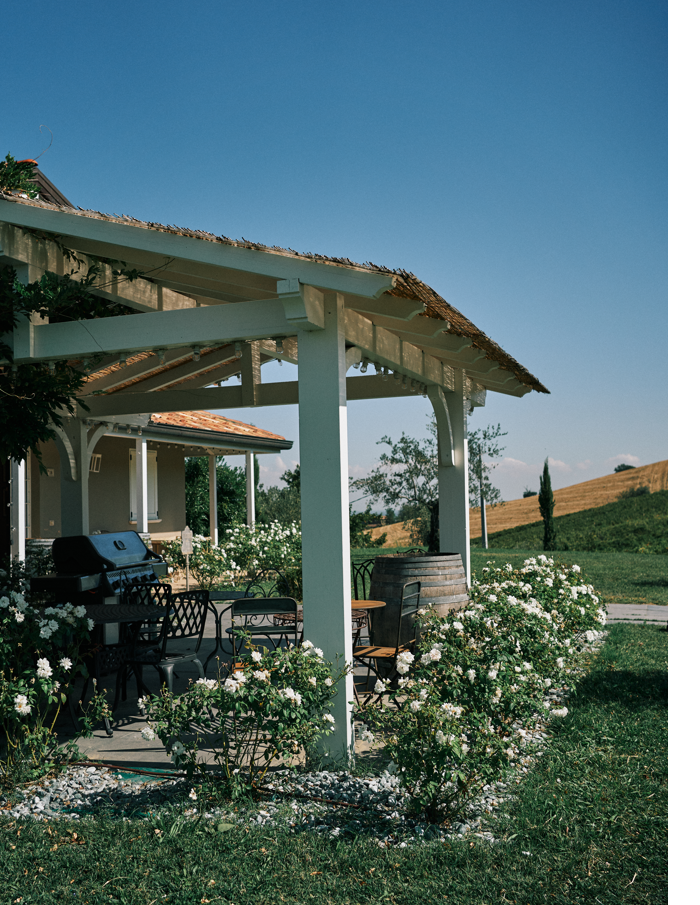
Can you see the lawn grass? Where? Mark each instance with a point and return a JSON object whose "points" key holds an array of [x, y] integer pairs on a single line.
{"points": [[630, 525], [591, 816]]}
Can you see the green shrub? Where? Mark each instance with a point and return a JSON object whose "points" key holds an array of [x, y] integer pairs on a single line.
{"points": [[40, 659], [631, 492], [479, 676], [272, 707]]}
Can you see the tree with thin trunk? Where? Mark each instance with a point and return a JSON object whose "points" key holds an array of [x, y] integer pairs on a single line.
{"points": [[408, 475], [546, 499]]}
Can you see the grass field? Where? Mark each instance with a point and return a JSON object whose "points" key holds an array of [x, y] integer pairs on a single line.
{"points": [[589, 826], [633, 525], [617, 577]]}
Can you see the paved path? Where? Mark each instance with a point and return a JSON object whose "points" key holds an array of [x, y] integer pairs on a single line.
{"points": [[631, 612]]}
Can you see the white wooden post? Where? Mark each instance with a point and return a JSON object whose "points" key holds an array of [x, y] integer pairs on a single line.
{"points": [[213, 513], [141, 460], [250, 488], [454, 481], [325, 504], [18, 511]]}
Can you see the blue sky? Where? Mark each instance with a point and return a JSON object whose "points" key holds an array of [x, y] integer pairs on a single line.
{"points": [[512, 155]]}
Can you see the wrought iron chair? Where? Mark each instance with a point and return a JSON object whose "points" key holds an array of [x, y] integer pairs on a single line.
{"points": [[272, 618], [361, 584], [185, 618], [371, 655]]}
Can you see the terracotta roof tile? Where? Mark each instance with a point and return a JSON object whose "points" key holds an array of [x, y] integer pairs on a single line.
{"points": [[208, 421]]}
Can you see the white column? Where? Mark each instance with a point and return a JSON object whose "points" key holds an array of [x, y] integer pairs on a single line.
{"points": [[250, 488], [213, 513], [18, 510], [141, 458], [454, 482], [325, 504]]}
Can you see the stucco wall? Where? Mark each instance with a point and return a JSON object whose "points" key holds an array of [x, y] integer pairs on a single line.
{"points": [[109, 489], [46, 493]]}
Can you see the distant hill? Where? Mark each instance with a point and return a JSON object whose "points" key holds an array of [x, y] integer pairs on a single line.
{"points": [[576, 498], [633, 525]]}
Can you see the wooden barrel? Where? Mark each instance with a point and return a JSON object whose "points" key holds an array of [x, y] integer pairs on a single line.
{"points": [[443, 586]]}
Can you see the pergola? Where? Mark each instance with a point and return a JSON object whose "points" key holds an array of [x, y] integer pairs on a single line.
{"points": [[207, 308]]}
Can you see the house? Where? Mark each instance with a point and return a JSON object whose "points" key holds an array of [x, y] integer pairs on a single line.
{"points": [[165, 440]]}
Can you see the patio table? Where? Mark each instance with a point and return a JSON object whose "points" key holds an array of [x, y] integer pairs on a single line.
{"points": [[229, 597], [110, 657], [219, 597]]}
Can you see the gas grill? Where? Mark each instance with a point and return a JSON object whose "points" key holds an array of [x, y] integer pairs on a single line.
{"points": [[98, 568]]}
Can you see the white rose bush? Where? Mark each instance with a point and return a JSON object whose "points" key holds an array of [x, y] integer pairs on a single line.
{"points": [[39, 661], [479, 676], [268, 708], [242, 551]]}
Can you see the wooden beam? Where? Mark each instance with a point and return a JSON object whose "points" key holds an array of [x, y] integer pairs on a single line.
{"points": [[42, 255], [188, 368], [183, 399], [130, 372], [416, 330], [387, 306], [118, 239], [155, 330]]}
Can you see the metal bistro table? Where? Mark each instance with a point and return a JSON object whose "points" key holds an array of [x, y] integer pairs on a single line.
{"points": [[114, 657], [360, 614]]}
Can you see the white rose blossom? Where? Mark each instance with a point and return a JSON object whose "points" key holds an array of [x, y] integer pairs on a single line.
{"points": [[22, 704], [43, 669]]}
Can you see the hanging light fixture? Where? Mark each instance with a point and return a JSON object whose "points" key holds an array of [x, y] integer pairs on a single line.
{"points": [[161, 356], [122, 360], [195, 353], [363, 367]]}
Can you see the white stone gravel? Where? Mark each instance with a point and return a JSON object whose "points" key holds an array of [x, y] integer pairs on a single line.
{"points": [[351, 805]]}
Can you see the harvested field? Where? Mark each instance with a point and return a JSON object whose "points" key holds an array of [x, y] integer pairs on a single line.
{"points": [[575, 498]]}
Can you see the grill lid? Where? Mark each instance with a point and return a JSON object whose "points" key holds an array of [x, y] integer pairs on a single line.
{"points": [[99, 552]]}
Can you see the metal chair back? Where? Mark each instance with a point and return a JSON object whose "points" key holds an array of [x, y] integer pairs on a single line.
{"points": [[410, 603], [362, 578], [257, 612], [188, 616]]}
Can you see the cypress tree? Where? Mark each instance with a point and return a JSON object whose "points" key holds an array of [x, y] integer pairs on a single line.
{"points": [[546, 500]]}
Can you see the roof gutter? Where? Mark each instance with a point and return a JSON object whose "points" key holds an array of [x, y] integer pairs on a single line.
{"points": [[207, 439]]}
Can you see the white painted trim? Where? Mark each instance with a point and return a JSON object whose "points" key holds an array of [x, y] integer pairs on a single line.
{"points": [[18, 510], [213, 513], [250, 488], [119, 238]]}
